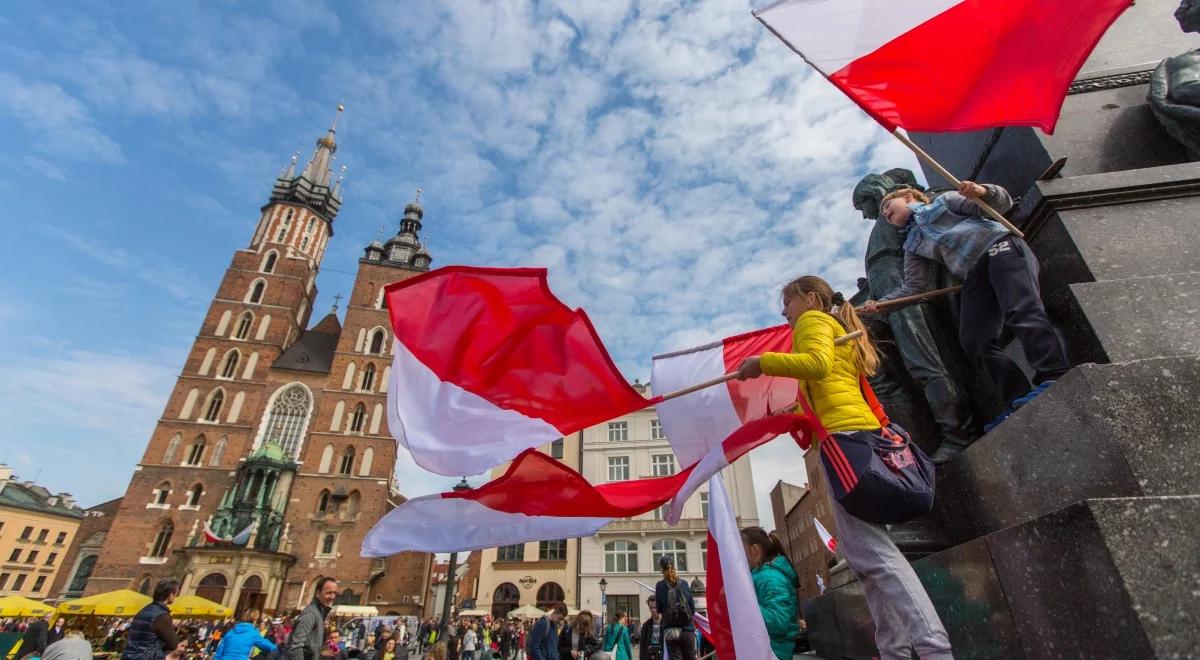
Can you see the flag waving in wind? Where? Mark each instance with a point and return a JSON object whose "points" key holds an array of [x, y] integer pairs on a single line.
{"points": [[947, 65], [489, 363], [826, 538]]}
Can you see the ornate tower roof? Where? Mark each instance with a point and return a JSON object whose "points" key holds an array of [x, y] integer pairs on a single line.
{"points": [[312, 187], [404, 250]]}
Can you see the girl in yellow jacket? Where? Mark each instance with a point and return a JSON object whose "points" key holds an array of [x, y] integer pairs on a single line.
{"points": [[829, 377]]}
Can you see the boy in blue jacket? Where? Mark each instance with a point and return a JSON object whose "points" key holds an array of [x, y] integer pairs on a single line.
{"points": [[1000, 286]]}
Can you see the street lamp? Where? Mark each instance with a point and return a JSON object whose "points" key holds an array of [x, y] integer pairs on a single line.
{"points": [[458, 488], [603, 603]]}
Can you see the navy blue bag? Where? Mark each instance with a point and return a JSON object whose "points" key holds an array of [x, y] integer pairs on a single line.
{"points": [[880, 476]]}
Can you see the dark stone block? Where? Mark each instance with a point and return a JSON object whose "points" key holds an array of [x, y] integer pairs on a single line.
{"points": [[1105, 579], [820, 614], [1146, 33], [1100, 431], [1143, 317]]}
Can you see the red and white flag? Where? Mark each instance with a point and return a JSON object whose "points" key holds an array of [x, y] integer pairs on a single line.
{"points": [[826, 537], [735, 629], [717, 425], [489, 363], [947, 65], [536, 499]]}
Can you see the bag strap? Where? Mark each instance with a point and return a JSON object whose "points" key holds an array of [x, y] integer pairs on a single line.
{"points": [[873, 401], [818, 431]]}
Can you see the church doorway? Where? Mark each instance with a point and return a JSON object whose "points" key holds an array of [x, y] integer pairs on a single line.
{"points": [[212, 587], [251, 597]]}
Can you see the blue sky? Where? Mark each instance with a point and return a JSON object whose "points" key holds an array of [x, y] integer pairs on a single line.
{"points": [[671, 163]]}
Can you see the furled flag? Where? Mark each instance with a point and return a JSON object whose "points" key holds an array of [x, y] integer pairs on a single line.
{"points": [[820, 583], [826, 537], [715, 426], [489, 363], [241, 538], [537, 498], [947, 65], [735, 630]]}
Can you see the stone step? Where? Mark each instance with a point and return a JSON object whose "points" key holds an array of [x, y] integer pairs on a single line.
{"points": [[1111, 430], [1101, 578], [1142, 317]]}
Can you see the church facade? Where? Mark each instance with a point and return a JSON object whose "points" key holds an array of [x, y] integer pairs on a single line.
{"points": [[272, 457]]}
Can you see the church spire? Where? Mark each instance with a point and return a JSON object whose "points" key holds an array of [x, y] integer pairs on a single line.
{"points": [[314, 187], [404, 250]]}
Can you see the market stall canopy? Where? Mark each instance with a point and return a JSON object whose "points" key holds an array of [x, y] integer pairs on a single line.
{"points": [[354, 610], [22, 606], [473, 613], [122, 602], [526, 612], [196, 606]]}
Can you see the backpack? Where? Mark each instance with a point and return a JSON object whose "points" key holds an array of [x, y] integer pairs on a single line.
{"points": [[678, 614]]}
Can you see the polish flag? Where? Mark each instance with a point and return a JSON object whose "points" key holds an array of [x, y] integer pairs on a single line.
{"points": [[826, 537], [947, 65], [735, 625], [489, 363], [537, 498], [715, 426]]}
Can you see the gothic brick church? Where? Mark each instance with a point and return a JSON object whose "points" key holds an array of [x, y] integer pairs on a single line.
{"points": [[273, 457]]}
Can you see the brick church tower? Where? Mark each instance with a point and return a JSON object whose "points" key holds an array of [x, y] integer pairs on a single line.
{"points": [[273, 457]]}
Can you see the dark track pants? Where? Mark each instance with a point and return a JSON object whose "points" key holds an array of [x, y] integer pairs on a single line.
{"points": [[1003, 292]]}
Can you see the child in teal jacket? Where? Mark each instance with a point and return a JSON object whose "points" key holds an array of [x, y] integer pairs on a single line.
{"points": [[775, 587], [616, 638]]}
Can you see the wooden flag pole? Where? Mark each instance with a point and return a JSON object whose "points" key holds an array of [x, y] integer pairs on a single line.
{"points": [[912, 300], [921, 153], [728, 377]]}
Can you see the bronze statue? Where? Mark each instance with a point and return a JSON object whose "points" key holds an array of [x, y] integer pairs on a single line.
{"points": [[910, 327], [1174, 94]]}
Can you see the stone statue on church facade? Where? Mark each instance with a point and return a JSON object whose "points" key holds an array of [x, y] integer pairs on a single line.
{"points": [[911, 329], [1174, 94]]}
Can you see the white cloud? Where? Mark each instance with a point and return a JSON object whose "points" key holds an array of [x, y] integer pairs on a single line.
{"points": [[57, 121], [155, 271]]}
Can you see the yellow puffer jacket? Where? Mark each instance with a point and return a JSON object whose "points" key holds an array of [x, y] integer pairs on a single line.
{"points": [[829, 373]]}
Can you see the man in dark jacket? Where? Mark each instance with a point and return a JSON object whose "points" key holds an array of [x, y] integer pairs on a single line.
{"points": [[650, 641], [152, 633], [36, 637], [308, 633], [543, 639]]}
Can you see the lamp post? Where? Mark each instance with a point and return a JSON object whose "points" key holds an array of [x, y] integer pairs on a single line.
{"points": [[603, 603], [450, 574]]}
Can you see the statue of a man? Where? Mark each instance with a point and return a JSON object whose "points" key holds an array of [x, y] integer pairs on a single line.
{"points": [[910, 327], [1174, 94]]}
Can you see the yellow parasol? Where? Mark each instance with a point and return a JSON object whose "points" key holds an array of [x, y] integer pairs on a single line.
{"points": [[195, 606], [122, 602], [22, 606]]}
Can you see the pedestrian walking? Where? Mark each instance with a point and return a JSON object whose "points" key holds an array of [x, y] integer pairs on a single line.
{"points": [[307, 641], [469, 642], [830, 376], [543, 638], [650, 639], [242, 639], [616, 638], [673, 598]]}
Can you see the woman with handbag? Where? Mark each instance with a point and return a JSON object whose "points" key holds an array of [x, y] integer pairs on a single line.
{"points": [[871, 465], [578, 640], [616, 638]]}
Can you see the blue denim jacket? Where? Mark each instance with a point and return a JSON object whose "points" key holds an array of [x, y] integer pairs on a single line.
{"points": [[951, 231]]}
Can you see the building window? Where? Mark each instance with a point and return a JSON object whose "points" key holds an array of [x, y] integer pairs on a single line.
{"points": [[663, 465], [194, 495], [328, 544], [704, 553], [368, 378], [196, 454], [514, 552], [42, 534], [39, 583], [358, 418], [661, 512], [269, 262], [26, 533], [549, 595], [323, 502], [19, 582], [556, 449], [347, 465], [244, 322], [162, 540], [620, 557], [4, 580], [50, 558], [618, 468], [376, 347], [161, 493], [672, 548], [552, 550], [289, 414], [505, 599], [79, 582], [618, 431], [256, 292], [61, 538], [656, 432], [15, 556], [229, 368], [214, 406], [704, 505], [32, 557]]}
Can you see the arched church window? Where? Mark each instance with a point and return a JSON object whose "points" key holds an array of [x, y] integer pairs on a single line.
{"points": [[213, 411], [162, 540], [229, 368], [358, 418], [347, 465], [368, 378], [376, 347], [196, 452], [328, 544], [287, 419], [194, 495], [323, 501], [269, 263], [244, 322], [256, 292]]}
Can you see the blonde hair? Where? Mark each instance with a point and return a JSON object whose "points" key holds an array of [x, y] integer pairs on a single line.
{"points": [[917, 195], [583, 623], [837, 306]]}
